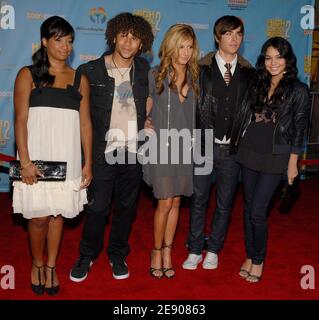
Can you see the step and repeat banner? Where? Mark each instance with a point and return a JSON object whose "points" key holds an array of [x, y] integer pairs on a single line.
{"points": [[20, 22]]}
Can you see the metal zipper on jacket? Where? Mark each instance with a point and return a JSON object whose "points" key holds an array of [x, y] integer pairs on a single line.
{"points": [[239, 134], [273, 135], [168, 114]]}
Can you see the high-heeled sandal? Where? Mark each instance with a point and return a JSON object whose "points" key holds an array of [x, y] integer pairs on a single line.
{"points": [[53, 290], [252, 278], [38, 288], [244, 272], [167, 271], [156, 272]]}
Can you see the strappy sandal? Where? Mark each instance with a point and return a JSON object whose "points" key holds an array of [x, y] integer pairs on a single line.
{"points": [[243, 273], [167, 271], [53, 290], [38, 288], [253, 279], [156, 272]]}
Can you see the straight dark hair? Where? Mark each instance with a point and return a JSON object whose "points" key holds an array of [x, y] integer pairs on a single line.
{"points": [[225, 24], [54, 26]]}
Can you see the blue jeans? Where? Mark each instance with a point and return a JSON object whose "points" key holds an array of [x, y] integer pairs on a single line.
{"points": [[226, 170], [259, 188]]}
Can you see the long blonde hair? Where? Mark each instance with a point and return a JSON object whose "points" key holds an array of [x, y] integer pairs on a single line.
{"points": [[169, 49]]}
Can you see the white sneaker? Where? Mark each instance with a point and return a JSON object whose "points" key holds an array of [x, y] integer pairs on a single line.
{"points": [[210, 261], [192, 261]]}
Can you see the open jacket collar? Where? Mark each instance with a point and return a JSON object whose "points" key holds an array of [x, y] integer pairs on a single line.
{"points": [[207, 60]]}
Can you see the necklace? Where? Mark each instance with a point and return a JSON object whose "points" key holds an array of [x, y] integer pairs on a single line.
{"points": [[118, 70]]}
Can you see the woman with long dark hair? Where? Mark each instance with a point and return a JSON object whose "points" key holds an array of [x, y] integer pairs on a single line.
{"points": [[274, 134], [52, 118], [173, 90]]}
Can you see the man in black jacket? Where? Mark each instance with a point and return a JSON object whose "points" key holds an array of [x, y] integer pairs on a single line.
{"points": [[119, 89], [224, 82]]}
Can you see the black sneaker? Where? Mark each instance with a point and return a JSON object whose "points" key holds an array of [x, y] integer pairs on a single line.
{"points": [[120, 270], [80, 270]]}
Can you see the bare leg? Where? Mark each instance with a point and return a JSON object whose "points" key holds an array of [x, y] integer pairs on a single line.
{"points": [[169, 236], [53, 244], [37, 230], [172, 221], [160, 222]]}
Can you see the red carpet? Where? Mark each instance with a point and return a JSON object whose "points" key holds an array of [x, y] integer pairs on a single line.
{"points": [[293, 242]]}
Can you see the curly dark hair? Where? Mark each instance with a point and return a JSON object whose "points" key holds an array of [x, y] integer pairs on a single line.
{"points": [[260, 99], [129, 23]]}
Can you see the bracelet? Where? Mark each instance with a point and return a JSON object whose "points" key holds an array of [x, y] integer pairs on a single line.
{"points": [[26, 165]]}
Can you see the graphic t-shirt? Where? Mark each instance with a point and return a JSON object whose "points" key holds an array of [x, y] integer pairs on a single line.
{"points": [[123, 125]]}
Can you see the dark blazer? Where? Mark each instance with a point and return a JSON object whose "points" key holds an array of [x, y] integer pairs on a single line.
{"points": [[207, 104]]}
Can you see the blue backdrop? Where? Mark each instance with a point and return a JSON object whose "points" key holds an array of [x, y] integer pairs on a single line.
{"points": [[20, 22]]}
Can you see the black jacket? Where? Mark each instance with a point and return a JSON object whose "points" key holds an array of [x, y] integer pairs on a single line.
{"points": [[207, 104], [293, 116], [102, 92]]}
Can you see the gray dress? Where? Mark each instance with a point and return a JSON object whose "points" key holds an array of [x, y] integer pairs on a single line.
{"points": [[172, 174]]}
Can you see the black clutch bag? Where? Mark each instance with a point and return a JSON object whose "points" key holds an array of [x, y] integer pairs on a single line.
{"points": [[289, 196], [51, 170]]}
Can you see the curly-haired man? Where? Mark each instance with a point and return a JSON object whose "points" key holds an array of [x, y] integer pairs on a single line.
{"points": [[119, 89]]}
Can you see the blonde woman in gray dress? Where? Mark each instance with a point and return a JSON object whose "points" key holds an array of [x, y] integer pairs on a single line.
{"points": [[171, 105]]}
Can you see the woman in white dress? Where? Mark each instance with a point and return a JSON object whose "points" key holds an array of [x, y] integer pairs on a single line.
{"points": [[52, 118]]}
